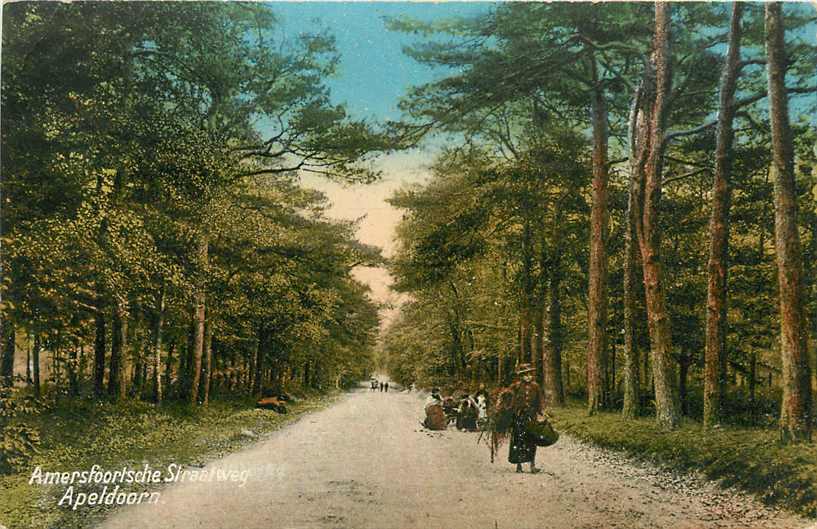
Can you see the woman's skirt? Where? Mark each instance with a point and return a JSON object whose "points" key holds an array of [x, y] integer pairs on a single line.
{"points": [[521, 449]]}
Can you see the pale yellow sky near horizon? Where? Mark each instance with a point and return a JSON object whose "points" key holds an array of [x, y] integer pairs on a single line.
{"points": [[378, 219]]}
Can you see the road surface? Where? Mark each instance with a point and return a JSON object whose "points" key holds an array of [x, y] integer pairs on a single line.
{"points": [[366, 463]]}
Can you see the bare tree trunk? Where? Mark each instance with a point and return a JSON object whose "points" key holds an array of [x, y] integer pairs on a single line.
{"points": [[795, 416], [597, 290], [716, 304], [157, 345], [649, 232], [198, 323]]}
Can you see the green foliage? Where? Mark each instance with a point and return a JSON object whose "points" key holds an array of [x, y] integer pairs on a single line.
{"points": [[177, 129], [18, 440]]}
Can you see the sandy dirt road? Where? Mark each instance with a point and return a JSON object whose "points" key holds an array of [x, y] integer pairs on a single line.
{"points": [[366, 463]]}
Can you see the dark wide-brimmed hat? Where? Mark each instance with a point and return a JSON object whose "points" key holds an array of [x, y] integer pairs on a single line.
{"points": [[521, 369]]}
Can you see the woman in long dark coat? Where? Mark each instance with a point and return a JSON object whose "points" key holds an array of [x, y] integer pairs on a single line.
{"points": [[527, 403]]}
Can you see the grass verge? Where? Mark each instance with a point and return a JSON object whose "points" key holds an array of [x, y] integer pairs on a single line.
{"points": [[751, 459], [80, 433]]}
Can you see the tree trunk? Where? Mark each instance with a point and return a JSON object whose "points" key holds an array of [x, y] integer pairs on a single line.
{"points": [[632, 397], [73, 375], [649, 230], [169, 369], [198, 324], [35, 359], [753, 385], [538, 353], [157, 345], [610, 390], [554, 389], [117, 381], [597, 290], [683, 376], [795, 416], [208, 362], [716, 304], [116, 351], [258, 367], [28, 362], [9, 349]]}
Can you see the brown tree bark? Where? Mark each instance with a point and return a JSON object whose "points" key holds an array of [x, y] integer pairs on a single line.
{"points": [[795, 416], [198, 324], [599, 219], [632, 390], [649, 229], [716, 304], [157, 345]]}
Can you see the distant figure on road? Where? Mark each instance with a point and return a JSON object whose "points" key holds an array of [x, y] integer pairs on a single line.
{"points": [[373, 385], [381, 387], [527, 404], [387, 387]]}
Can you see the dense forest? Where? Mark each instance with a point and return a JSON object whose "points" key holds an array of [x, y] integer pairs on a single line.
{"points": [[624, 195], [157, 243], [627, 200]]}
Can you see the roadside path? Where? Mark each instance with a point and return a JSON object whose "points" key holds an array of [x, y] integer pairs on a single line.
{"points": [[366, 463]]}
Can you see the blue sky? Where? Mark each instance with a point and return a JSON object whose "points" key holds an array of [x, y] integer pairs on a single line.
{"points": [[374, 73]]}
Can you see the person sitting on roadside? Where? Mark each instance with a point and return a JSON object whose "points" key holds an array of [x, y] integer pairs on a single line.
{"points": [[467, 414], [435, 418], [482, 411], [434, 398]]}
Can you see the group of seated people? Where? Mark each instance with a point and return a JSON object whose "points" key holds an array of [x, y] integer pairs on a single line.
{"points": [[468, 411]]}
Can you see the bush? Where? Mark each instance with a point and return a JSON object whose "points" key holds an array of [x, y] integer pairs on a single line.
{"points": [[19, 441]]}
